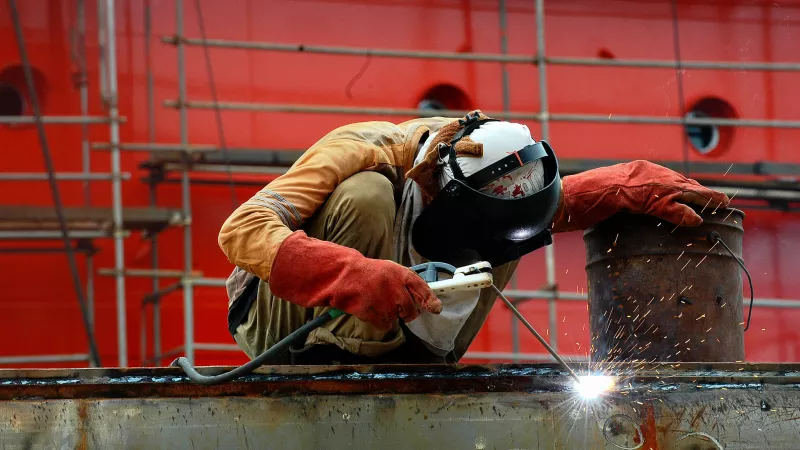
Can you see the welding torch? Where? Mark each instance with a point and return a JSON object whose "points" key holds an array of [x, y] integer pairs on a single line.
{"points": [[468, 278]]}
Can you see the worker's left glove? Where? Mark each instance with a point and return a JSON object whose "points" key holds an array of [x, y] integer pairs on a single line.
{"points": [[639, 187]]}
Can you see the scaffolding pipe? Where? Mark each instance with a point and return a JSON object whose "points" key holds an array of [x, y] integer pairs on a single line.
{"points": [[483, 57], [522, 296], [544, 294], [116, 185], [544, 108], [48, 161], [61, 176], [86, 156], [324, 109], [506, 108], [55, 120], [41, 250], [516, 356], [209, 282], [84, 99], [188, 290], [41, 234], [36, 359], [352, 51], [655, 120], [504, 49], [102, 47], [146, 273], [557, 117], [151, 138], [90, 293], [152, 147], [655, 64]]}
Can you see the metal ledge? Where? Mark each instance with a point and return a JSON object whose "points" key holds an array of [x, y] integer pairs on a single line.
{"points": [[371, 379], [679, 407]]}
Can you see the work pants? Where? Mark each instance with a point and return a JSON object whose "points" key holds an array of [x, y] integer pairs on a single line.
{"points": [[359, 214]]}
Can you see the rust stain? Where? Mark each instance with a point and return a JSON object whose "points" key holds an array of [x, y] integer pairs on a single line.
{"points": [[651, 263], [83, 425], [649, 429]]}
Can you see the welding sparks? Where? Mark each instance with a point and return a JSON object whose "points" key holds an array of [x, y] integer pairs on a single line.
{"points": [[592, 386], [729, 214], [729, 169], [704, 207], [701, 261]]}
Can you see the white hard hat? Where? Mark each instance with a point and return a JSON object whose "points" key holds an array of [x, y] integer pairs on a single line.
{"points": [[499, 140]]}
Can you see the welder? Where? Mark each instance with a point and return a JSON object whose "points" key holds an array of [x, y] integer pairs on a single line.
{"points": [[342, 226]]}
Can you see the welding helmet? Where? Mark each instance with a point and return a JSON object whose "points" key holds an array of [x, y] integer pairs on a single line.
{"points": [[494, 205]]}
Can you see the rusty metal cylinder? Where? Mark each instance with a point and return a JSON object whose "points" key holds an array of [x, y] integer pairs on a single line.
{"points": [[660, 293]]}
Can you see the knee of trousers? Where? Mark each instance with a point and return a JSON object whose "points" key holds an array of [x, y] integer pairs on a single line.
{"points": [[364, 201]]}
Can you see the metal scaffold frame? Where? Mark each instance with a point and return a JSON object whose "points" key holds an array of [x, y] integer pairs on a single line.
{"points": [[543, 116], [105, 23], [78, 227], [186, 278]]}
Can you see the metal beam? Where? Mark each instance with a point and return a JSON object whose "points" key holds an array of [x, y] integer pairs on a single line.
{"points": [[155, 147], [57, 120], [61, 176], [743, 406], [39, 359], [518, 356], [558, 117], [325, 109], [351, 51], [481, 57], [147, 273], [39, 234]]}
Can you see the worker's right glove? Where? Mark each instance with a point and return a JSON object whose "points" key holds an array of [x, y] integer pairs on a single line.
{"points": [[311, 272], [639, 187]]}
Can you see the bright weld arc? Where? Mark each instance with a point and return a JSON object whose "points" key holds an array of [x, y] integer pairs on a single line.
{"points": [[592, 386]]}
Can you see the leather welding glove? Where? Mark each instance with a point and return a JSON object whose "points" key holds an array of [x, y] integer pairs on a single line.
{"points": [[311, 273], [638, 187]]}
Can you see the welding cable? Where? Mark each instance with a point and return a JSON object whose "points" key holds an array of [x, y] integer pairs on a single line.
{"points": [[247, 368], [48, 161], [714, 237]]}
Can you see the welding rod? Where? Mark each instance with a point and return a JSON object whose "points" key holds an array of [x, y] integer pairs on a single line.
{"points": [[538, 336]]}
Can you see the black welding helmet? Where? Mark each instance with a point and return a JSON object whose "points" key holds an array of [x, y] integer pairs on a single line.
{"points": [[496, 207]]}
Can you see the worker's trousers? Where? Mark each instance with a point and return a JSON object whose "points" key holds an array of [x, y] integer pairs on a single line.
{"points": [[360, 214]]}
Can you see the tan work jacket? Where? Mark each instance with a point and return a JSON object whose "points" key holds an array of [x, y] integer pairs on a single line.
{"points": [[250, 237]]}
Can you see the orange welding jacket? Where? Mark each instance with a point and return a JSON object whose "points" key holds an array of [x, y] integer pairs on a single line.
{"points": [[251, 235]]}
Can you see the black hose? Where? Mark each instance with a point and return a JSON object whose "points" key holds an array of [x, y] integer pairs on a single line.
{"points": [[715, 237], [252, 365]]}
